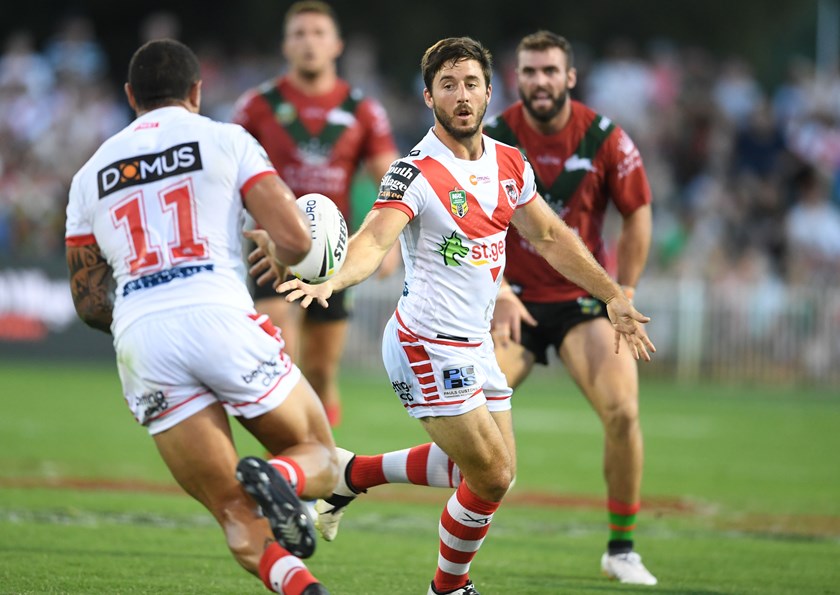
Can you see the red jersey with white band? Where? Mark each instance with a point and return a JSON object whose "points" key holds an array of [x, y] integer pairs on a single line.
{"points": [[454, 245], [590, 162], [316, 142], [163, 200]]}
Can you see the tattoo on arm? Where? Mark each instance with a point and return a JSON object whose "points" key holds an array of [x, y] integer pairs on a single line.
{"points": [[91, 284]]}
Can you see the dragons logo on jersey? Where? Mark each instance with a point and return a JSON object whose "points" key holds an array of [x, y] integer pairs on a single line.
{"points": [[450, 248], [511, 191], [458, 203]]}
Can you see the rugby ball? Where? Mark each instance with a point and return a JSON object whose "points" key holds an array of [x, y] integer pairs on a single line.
{"points": [[329, 239]]}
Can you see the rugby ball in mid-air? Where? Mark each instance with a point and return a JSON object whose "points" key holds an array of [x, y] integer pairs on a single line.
{"points": [[329, 239]]}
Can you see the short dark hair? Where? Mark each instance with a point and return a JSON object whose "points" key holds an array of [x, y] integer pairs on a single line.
{"points": [[316, 6], [544, 40], [162, 71], [451, 51]]}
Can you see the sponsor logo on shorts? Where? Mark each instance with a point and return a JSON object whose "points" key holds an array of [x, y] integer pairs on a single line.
{"points": [[149, 405], [459, 381], [264, 373], [403, 390], [589, 306], [397, 180], [151, 167]]}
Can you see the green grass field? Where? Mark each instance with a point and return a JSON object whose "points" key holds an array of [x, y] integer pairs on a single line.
{"points": [[741, 495]]}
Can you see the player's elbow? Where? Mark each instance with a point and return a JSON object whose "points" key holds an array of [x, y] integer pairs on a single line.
{"points": [[96, 318]]}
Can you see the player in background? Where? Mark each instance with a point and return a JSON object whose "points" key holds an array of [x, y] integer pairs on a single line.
{"points": [[582, 161], [155, 216], [318, 132], [450, 202]]}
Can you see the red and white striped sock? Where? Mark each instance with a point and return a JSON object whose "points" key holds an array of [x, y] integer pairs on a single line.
{"points": [[283, 573], [289, 469], [463, 525], [425, 465]]}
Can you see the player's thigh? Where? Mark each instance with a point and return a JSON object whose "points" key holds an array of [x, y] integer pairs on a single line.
{"points": [[322, 343], [200, 454], [515, 361], [299, 419], [473, 440], [608, 379]]}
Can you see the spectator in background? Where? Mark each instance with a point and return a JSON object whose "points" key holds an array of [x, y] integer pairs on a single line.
{"points": [[813, 232], [318, 132], [74, 51]]}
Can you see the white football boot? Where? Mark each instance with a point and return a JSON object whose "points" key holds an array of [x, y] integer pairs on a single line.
{"points": [[627, 568]]}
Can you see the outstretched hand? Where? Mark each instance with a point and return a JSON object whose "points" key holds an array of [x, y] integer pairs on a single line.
{"points": [[265, 268], [306, 292], [627, 322]]}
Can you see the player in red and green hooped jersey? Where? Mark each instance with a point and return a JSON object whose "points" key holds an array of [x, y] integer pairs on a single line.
{"points": [[318, 132], [581, 161]]}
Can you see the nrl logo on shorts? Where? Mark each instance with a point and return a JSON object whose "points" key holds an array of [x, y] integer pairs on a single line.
{"points": [[511, 191], [458, 202]]}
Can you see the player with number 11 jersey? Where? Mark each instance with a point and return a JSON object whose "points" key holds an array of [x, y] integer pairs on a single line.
{"points": [[167, 183]]}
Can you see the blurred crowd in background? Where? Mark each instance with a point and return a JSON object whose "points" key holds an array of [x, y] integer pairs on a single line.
{"points": [[745, 178]]}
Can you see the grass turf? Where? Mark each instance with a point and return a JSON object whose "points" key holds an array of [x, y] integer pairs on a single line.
{"points": [[742, 488]]}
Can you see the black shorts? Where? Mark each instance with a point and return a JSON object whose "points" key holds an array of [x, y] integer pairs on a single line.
{"points": [[337, 308], [555, 320]]}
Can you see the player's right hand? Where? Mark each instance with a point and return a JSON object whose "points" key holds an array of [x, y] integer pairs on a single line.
{"points": [[508, 317], [306, 292]]}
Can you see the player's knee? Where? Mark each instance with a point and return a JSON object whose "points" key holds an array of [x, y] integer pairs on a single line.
{"points": [[622, 418], [494, 483]]}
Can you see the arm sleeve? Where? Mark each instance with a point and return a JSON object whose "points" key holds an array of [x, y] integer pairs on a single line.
{"points": [[626, 177], [78, 229], [243, 112], [529, 185], [252, 160], [379, 138], [401, 189]]}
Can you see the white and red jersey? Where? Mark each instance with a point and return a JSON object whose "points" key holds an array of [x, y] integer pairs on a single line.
{"points": [[163, 201], [454, 245]]}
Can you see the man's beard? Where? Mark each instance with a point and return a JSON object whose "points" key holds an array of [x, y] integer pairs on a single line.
{"points": [[548, 115], [446, 121]]}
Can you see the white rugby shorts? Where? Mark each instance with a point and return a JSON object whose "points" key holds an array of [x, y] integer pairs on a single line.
{"points": [[175, 364], [438, 377]]}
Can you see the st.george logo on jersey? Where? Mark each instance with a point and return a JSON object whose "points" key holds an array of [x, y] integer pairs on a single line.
{"points": [[329, 239]]}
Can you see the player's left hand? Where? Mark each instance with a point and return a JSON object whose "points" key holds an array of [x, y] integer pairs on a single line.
{"points": [[627, 322], [265, 267], [306, 292]]}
